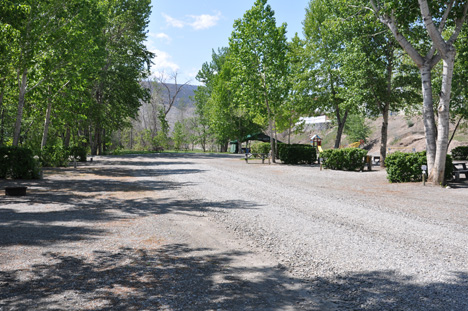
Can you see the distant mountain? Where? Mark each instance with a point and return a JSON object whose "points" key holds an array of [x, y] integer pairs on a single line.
{"points": [[184, 96], [183, 107], [182, 99]]}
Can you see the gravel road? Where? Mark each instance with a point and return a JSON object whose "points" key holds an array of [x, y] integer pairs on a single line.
{"points": [[358, 240], [231, 236]]}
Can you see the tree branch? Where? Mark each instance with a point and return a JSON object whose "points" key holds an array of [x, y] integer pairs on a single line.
{"points": [[433, 32], [459, 24], [445, 16], [391, 23]]}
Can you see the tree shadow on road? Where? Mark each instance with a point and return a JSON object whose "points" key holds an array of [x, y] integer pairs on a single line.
{"points": [[177, 277], [388, 290], [171, 277], [69, 205], [83, 218]]}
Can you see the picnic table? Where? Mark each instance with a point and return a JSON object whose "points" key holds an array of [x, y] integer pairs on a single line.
{"points": [[262, 156], [459, 168]]}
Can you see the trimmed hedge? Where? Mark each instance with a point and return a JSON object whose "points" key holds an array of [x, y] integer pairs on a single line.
{"points": [[345, 159], [460, 153], [79, 153], [297, 154], [59, 156], [55, 156], [260, 148], [18, 163], [406, 167]]}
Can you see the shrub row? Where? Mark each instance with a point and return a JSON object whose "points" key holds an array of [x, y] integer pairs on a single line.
{"points": [[18, 163], [79, 153], [460, 153], [58, 156], [297, 154], [406, 167], [346, 159], [260, 148]]}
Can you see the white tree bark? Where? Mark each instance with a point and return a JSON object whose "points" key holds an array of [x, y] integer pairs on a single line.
{"points": [[428, 115], [438, 170], [436, 141], [447, 52], [46, 124]]}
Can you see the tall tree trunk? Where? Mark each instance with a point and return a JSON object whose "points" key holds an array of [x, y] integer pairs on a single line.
{"points": [[21, 98], [66, 141], [341, 123], [239, 145], [437, 174], [98, 141], [2, 119], [276, 137], [428, 116], [203, 140], [270, 132], [46, 123], [386, 107], [384, 134], [239, 139], [103, 141], [272, 140], [92, 141]]}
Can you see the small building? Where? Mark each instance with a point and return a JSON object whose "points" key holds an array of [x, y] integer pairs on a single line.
{"points": [[234, 145], [316, 123]]}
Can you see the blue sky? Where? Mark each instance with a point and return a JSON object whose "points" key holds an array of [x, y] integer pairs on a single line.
{"points": [[183, 33]]}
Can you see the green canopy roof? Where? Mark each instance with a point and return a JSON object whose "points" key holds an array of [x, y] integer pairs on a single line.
{"points": [[257, 136]]}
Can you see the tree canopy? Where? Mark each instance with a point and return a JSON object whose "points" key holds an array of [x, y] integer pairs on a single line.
{"points": [[75, 64]]}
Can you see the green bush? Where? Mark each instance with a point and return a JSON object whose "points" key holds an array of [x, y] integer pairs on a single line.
{"points": [[460, 153], [260, 147], [79, 153], [297, 154], [55, 156], [406, 167], [18, 163], [345, 159]]}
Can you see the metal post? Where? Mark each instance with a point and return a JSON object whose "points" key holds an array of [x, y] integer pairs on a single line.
{"points": [[424, 168]]}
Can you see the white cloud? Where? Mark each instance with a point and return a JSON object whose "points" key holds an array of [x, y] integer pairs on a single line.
{"points": [[191, 75], [205, 21], [173, 22], [163, 61], [161, 36], [197, 22]]}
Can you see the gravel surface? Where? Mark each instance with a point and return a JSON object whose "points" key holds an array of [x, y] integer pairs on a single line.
{"points": [[210, 232]]}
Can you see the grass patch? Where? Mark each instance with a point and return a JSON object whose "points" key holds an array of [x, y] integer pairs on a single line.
{"points": [[131, 152]]}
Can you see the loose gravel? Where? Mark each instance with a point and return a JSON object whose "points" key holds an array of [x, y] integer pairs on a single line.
{"points": [[210, 232], [359, 240]]}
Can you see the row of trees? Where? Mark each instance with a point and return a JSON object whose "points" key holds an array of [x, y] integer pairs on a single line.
{"points": [[71, 71], [357, 56], [166, 121]]}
